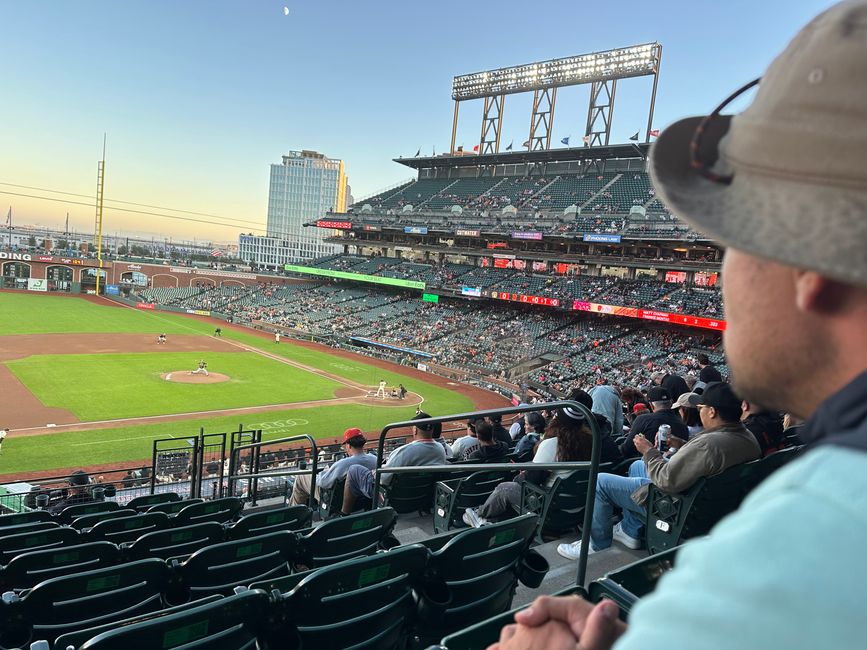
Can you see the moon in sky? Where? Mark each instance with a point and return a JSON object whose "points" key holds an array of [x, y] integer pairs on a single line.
{"points": [[285, 11]]}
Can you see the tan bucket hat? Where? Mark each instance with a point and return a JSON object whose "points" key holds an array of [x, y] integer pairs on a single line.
{"points": [[796, 158]]}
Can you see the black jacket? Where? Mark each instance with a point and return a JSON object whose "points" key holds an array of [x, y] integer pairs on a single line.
{"points": [[648, 424]]}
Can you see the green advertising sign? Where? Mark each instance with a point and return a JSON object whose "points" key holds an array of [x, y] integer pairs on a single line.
{"points": [[358, 277], [430, 297]]}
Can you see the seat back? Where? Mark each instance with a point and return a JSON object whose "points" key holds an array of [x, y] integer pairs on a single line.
{"points": [[270, 521], [175, 542], [19, 518], [346, 537], [331, 499], [561, 506], [31, 527], [626, 585], [53, 536], [219, 568], [481, 567], [89, 521], [366, 602], [82, 600], [173, 507], [70, 513], [411, 492], [128, 529], [218, 510], [28, 569], [468, 492], [145, 501]]}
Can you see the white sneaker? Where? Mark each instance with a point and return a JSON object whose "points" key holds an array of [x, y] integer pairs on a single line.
{"points": [[573, 551], [471, 518], [628, 541]]}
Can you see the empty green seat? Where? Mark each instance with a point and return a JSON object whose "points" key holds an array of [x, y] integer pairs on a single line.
{"points": [[53, 536], [629, 583], [89, 521], [31, 527], [218, 510], [410, 492], [145, 501], [346, 537], [219, 568], [365, 604], [456, 495], [68, 514], [175, 542], [19, 518], [173, 507], [82, 600], [28, 569], [331, 499], [270, 521], [128, 529]]}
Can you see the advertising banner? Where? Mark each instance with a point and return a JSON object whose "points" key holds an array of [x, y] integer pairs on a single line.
{"points": [[648, 314], [45, 258], [602, 239], [37, 285], [199, 312], [145, 305], [531, 300], [471, 291], [370, 228], [526, 235], [468, 233], [338, 225], [360, 277], [415, 230], [112, 290]]}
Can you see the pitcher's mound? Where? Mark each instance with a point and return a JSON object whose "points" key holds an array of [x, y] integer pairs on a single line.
{"points": [[184, 377]]}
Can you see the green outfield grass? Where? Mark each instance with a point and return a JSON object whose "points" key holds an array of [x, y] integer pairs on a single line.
{"points": [[24, 313], [111, 386]]}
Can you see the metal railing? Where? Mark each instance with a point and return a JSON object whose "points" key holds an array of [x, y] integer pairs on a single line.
{"points": [[464, 467], [255, 472]]}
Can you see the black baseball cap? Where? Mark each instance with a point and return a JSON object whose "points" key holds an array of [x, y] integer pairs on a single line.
{"points": [[717, 394], [659, 394]]}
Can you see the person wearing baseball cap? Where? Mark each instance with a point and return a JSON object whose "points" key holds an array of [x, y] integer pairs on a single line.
{"points": [[76, 493], [353, 445], [647, 424], [783, 186]]}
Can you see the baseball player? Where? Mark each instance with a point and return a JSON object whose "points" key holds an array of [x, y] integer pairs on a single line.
{"points": [[161, 339], [201, 370], [381, 391]]}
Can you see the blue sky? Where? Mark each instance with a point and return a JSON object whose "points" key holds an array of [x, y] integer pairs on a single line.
{"points": [[199, 97]]}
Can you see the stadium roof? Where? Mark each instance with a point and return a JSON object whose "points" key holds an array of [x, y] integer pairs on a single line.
{"points": [[631, 150]]}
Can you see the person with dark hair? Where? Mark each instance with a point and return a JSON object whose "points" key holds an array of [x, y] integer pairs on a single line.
{"points": [[708, 372], [535, 424], [673, 384], [422, 450], [500, 432], [353, 445], [567, 438], [765, 425], [468, 443], [648, 423], [609, 452], [437, 433], [688, 413], [490, 450], [723, 443], [77, 492]]}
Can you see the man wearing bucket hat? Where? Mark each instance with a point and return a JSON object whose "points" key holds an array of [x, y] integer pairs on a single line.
{"points": [[784, 186]]}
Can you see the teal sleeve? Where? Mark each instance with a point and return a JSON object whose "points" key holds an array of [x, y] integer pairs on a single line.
{"points": [[785, 571]]}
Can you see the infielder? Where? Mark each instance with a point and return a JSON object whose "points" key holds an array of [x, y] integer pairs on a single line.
{"points": [[201, 370]]}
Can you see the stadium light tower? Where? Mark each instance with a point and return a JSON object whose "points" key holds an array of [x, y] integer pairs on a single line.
{"points": [[601, 70]]}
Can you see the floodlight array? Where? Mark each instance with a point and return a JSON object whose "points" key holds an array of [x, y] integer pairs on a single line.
{"points": [[633, 61]]}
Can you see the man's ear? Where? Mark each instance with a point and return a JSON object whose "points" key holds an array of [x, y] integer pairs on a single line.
{"points": [[815, 293]]}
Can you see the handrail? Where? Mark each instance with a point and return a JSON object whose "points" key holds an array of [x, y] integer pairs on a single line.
{"points": [[258, 445], [595, 455]]}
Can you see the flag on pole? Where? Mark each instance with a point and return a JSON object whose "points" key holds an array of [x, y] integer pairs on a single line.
{"points": [[216, 253], [653, 133], [9, 218], [433, 152], [586, 139], [418, 153], [526, 143], [565, 140], [634, 137], [509, 148], [476, 148]]}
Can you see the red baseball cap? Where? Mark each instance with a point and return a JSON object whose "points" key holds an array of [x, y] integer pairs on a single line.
{"points": [[352, 433], [639, 408]]}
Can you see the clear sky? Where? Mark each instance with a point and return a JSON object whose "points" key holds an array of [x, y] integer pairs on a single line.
{"points": [[199, 97]]}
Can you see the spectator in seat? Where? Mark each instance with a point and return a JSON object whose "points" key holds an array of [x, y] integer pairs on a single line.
{"points": [[765, 425], [648, 424], [500, 432], [674, 384], [468, 442], [535, 426], [606, 401], [77, 492], [708, 372], [568, 438], [422, 450], [723, 443], [437, 432], [490, 450], [688, 413], [353, 445], [609, 451]]}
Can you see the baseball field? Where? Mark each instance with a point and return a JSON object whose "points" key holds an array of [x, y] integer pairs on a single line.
{"points": [[84, 383]]}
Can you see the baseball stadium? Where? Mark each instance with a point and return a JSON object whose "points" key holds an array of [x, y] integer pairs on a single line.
{"points": [[500, 404]]}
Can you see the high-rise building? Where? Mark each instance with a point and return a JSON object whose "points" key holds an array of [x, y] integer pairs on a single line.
{"points": [[304, 187]]}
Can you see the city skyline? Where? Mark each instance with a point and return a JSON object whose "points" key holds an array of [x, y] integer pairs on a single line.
{"points": [[199, 98]]}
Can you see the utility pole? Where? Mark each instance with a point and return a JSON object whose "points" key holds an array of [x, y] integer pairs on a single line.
{"points": [[100, 188]]}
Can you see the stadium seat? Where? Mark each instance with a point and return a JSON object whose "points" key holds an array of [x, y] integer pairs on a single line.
{"points": [[89, 521], [19, 518], [331, 499], [560, 508], [29, 528], [78, 638], [218, 510], [68, 514], [629, 583], [270, 521], [28, 569], [147, 500], [219, 568], [456, 495], [366, 603], [173, 507], [410, 492], [127, 529], [81, 600], [347, 537], [175, 542], [53, 536], [673, 518], [481, 566]]}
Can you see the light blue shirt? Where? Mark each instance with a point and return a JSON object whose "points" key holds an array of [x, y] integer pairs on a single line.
{"points": [[607, 402], [787, 570]]}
